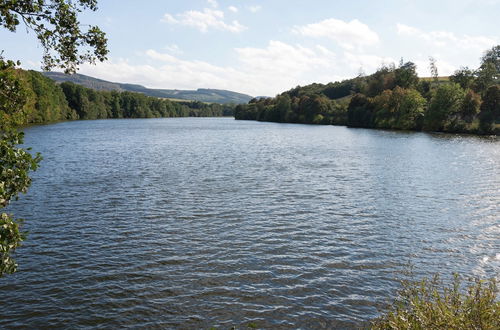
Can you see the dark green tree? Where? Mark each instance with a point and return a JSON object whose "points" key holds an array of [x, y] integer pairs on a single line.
{"points": [[15, 162], [283, 106], [492, 56], [410, 109], [490, 110], [488, 73], [406, 75], [464, 77], [445, 106], [360, 111], [470, 106]]}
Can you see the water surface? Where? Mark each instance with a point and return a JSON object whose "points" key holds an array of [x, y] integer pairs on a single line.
{"points": [[196, 223]]}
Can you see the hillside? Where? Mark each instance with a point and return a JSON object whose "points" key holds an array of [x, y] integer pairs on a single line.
{"points": [[393, 98], [49, 101], [203, 95]]}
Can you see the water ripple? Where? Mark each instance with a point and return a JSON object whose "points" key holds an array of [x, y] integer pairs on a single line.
{"points": [[193, 223]]}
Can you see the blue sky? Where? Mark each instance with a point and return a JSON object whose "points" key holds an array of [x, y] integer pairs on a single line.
{"points": [[265, 47]]}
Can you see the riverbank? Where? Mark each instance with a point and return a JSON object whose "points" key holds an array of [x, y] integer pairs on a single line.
{"points": [[495, 132]]}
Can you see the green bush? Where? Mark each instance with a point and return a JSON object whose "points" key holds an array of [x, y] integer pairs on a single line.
{"points": [[430, 304]]}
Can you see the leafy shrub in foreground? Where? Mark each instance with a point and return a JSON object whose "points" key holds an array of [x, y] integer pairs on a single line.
{"points": [[429, 304]]}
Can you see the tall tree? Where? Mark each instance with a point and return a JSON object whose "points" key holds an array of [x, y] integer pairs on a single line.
{"points": [[492, 56], [445, 105], [488, 73], [464, 77], [65, 45], [490, 109], [406, 75], [433, 68]]}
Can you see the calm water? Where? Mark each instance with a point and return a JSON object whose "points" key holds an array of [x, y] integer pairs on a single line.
{"points": [[193, 223]]}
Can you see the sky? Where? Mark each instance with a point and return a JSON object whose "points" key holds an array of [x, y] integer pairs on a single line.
{"points": [[264, 47]]}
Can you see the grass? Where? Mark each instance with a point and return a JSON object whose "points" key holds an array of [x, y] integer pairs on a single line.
{"points": [[440, 79], [430, 304]]}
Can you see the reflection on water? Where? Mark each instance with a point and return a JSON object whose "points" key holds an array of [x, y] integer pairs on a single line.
{"points": [[201, 222]]}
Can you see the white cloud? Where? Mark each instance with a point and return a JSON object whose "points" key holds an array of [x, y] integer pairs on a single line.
{"points": [[204, 20], [166, 71], [259, 71], [407, 30], [255, 8], [279, 58], [450, 50], [444, 67], [369, 63], [233, 9], [349, 35], [447, 39], [325, 51]]}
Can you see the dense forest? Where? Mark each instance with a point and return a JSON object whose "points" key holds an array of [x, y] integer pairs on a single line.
{"points": [[50, 102], [394, 98]]}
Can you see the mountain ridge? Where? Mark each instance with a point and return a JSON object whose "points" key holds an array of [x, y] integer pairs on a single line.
{"points": [[201, 94]]}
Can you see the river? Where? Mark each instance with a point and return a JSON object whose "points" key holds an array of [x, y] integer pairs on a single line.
{"points": [[201, 222]]}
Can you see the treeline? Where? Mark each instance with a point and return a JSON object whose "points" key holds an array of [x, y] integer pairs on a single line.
{"points": [[394, 98], [92, 104], [50, 102]]}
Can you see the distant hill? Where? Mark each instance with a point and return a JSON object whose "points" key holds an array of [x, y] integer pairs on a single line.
{"points": [[202, 94]]}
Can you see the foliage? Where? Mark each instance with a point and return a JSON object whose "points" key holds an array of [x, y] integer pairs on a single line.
{"points": [[13, 96], [55, 23], [312, 109], [406, 75], [10, 238], [360, 111], [488, 73], [490, 109], [470, 106], [201, 94], [91, 104], [40, 100], [429, 304], [65, 45], [464, 77], [383, 79], [393, 98], [48, 102], [492, 56], [399, 109], [15, 163], [444, 107]]}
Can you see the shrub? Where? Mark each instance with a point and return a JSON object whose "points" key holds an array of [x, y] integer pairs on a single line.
{"points": [[429, 304]]}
